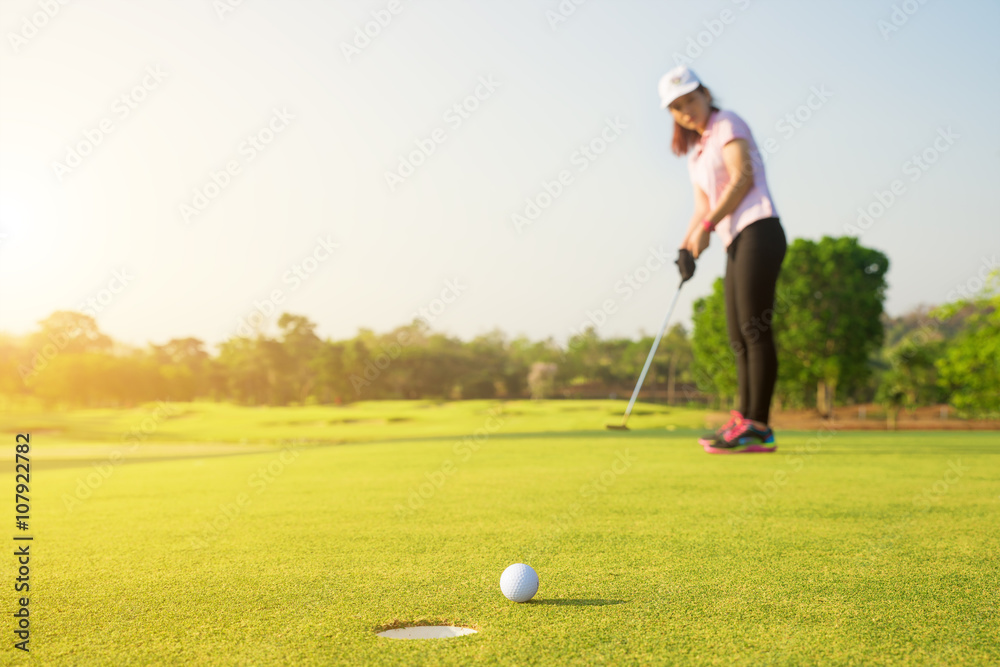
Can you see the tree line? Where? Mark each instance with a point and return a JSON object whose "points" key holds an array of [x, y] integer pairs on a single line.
{"points": [[69, 361], [835, 345]]}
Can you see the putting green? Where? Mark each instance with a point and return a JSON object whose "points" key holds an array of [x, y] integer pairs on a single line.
{"points": [[840, 548]]}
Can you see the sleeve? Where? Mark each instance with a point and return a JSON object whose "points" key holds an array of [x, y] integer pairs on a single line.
{"points": [[730, 127]]}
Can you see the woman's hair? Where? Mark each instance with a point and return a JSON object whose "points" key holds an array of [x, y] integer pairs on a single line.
{"points": [[684, 138]]}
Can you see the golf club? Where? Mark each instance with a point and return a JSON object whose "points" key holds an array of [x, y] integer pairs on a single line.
{"points": [[649, 360], [686, 265]]}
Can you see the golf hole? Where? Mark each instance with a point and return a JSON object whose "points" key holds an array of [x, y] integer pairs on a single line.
{"points": [[427, 632]]}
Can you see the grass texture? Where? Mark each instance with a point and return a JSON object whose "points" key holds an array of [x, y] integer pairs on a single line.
{"points": [[841, 548]]}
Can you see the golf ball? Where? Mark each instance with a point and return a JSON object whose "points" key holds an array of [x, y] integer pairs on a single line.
{"points": [[519, 582]]}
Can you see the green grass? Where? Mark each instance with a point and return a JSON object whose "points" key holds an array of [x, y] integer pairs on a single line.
{"points": [[827, 552], [357, 422]]}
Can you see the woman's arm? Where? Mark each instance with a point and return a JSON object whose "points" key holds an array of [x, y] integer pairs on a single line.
{"points": [[736, 158], [699, 215]]}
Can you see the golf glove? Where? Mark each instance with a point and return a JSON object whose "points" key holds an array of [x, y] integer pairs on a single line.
{"points": [[685, 263]]}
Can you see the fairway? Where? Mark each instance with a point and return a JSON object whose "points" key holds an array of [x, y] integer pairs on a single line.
{"points": [[841, 548]]}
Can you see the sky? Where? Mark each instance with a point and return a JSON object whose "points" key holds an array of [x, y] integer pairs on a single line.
{"points": [[194, 167]]}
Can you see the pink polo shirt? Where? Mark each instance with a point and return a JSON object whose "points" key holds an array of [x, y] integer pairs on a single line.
{"points": [[708, 172]]}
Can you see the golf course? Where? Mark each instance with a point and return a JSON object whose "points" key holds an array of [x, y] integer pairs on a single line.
{"points": [[534, 332], [203, 533]]}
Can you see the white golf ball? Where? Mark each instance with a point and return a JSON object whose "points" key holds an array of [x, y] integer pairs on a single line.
{"points": [[519, 582]]}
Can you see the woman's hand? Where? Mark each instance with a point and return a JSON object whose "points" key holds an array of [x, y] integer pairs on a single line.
{"points": [[698, 241], [701, 212]]}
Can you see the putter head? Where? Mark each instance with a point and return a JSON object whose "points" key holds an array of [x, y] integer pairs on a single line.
{"points": [[617, 427]]}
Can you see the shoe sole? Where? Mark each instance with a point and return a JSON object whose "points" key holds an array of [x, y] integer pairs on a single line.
{"points": [[748, 449], [706, 442]]}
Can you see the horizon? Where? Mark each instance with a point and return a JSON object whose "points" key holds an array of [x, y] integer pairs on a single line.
{"points": [[917, 311]]}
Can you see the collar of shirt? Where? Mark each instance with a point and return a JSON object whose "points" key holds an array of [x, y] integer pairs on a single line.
{"points": [[712, 116]]}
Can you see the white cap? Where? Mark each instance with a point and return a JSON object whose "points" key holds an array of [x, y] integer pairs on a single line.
{"points": [[675, 83]]}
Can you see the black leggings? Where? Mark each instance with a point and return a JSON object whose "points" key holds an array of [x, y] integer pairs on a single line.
{"points": [[755, 257]]}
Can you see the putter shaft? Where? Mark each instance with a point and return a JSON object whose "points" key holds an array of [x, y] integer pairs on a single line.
{"points": [[649, 359]]}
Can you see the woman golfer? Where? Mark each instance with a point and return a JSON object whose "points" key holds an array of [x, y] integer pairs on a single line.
{"points": [[731, 198]]}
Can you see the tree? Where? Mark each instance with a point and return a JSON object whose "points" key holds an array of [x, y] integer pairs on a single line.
{"points": [[10, 353], [486, 366], [62, 332], [910, 379], [251, 371], [523, 354], [301, 352], [673, 359], [831, 296], [714, 366], [970, 367], [541, 379], [70, 332], [185, 367], [332, 381], [588, 358]]}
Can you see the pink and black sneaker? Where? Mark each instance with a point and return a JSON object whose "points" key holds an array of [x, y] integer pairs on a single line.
{"points": [[710, 438], [743, 438]]}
